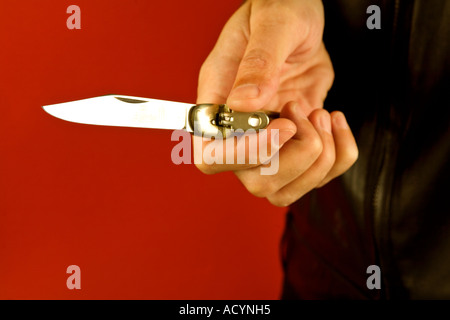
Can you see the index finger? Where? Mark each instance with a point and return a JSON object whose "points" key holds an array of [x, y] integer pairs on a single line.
{"points": [[219, 70]]}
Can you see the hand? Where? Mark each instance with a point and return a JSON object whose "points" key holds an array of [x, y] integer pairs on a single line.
{"points": [[270, 56]]}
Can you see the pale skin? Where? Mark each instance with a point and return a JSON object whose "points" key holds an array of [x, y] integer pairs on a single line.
{"points": [[270, 56]]}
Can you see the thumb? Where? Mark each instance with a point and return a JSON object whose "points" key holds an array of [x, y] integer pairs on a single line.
{"points": [[258, 76]]}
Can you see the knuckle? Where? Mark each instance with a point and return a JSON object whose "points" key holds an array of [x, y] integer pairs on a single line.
{"points": [[344, 163], [329, 153], [328, 76], [284, 12], [331, 73], [282, 200], [328, 158], [315, 146], [347, 156], [278, 203], [325, 71], [261, 190], [352, 155], [256, 59]]}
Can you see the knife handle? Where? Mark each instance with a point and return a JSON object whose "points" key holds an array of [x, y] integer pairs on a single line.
{"points": [[219, 121]]}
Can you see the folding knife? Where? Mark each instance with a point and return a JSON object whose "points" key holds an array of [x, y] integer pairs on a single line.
{"points": [[206, 120]]}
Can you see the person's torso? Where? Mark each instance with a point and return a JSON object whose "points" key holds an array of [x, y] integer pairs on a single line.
{"points": [[390, 208]]}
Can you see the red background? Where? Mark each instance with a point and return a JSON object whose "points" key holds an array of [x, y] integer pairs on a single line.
{"points": [[109, 199]]}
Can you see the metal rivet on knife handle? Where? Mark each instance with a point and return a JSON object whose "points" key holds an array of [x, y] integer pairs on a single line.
{"points": [[209, 119]]}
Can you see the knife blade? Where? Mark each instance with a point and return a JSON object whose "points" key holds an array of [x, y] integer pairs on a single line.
{"points": [[206, 120]]}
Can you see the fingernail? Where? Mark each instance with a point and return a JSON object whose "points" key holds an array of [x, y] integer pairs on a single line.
{"points": [[325, 123], [245, 91], [340, 121]]}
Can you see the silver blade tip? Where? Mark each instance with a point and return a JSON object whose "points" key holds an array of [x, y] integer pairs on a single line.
{"points": [[49, 109]]}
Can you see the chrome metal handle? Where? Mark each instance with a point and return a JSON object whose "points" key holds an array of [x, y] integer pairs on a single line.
{"points": [[217, 120]]}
